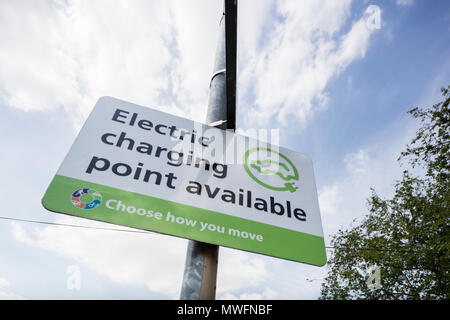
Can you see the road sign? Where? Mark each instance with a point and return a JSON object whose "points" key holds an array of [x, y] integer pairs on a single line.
{"points": [[138, 167]]}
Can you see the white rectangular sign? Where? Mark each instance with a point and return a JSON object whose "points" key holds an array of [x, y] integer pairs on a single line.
{"points": [[135, 166]]}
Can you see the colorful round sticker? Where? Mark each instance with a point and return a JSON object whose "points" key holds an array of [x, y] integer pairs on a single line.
{"points": [[86, 198]]}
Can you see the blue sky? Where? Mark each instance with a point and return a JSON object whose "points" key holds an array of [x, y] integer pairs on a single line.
{"points": [[336, 88]]}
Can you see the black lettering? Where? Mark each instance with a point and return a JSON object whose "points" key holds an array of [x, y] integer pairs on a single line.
{"points": [[145, 147], [198, 160], [157, 174], [172, 131], [93, 164], [117, 114], [122, 139], [201, 141], [274, 205], [230, 197], [133, 119], [115, 169], [182, 134], [175, 162], [138, 171], [145, 124], [288, 209], [213, 194], [300, 214], [195, 189], [105, 138], [260, 204], [241, 197], [170, 177], [157, 129], [220, 170], [193, 136], [189, 158], [249, 199], [159, 150]]}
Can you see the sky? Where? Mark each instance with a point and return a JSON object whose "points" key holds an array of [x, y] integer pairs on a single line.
{"points": [[335, 78]]}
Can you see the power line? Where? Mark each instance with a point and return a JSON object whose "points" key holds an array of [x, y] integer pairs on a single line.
{"points": [[140, 231], [72, 225], [370, 249]]}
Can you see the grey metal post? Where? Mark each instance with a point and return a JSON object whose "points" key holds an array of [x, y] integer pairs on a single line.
{"points": [[217, 104], [200, 271]]}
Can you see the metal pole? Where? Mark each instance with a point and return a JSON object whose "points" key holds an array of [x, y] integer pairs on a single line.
{"points": [[200, 271]]}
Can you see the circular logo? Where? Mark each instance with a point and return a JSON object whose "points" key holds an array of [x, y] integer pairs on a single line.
{"points": [[271, 169], [86, 198]]}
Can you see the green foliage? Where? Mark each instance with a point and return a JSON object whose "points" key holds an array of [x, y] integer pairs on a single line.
{"points": [[406, 236]]}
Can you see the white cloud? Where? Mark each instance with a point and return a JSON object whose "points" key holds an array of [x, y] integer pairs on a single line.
{"points": [[344, 199], [266, 294], [302, 52], [5, 291], [152, 260], [238, 270], [69, 53], [375, 165], [195, 29], [252, 21]]}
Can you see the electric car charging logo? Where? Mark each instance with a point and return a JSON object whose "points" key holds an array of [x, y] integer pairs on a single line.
{"points": [[86, 198], [271, 169]]}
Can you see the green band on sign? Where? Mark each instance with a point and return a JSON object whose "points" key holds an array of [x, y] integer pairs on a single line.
{"points": [[103, 203]]}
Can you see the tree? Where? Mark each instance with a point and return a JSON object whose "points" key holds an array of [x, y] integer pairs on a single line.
{"points": [[405, 238]]}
